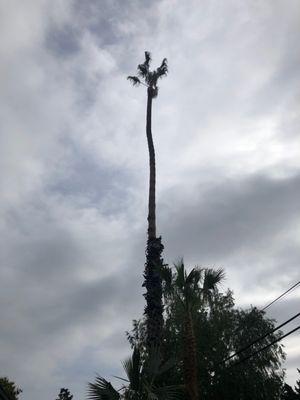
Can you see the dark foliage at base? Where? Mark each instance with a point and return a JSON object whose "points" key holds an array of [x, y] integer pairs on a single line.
{"points": [[153, 295], [9, 390], [221, 330], [144, 381]]}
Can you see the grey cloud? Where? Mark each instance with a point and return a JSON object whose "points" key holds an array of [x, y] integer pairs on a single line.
{"points": [[285, 263], [101, 18], [231, 217], [286, 308], [102, 186], [63, 41]]}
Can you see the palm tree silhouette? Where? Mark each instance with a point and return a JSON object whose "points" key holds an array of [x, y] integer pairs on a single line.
{"points": [[191, 291], [153, 295]]}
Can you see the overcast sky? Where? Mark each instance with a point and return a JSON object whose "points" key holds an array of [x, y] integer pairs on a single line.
{"points": [[74, 170]]}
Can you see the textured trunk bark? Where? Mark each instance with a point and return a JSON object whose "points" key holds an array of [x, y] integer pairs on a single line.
{"points": [[153, 295], [151, 204], [190, 358], [153, 284]]}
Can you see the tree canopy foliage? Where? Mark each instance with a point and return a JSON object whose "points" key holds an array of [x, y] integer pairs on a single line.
{"points": [[64, 394], [288, 393], [11, 390], [220, 331]]}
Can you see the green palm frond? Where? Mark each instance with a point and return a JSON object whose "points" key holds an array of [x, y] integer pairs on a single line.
{"points": [[195, 288], [132, 368], [180, 275], [143, 69], [163, 69], [134, 80], [147, 58], [212, 278], [102, 390], [141, 383], [193, 277]]}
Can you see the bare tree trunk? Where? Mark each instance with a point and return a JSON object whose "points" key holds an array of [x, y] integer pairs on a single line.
{"points": [[190, 358], [151, 204]]}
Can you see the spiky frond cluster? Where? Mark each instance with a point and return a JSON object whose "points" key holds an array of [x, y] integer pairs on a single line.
{"points": [[141, 382], [102, 390], [147, 77], [134, 80], [193, 288]]}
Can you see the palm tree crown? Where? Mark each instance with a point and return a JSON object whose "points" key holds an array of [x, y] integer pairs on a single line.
{"points": [[191, 291], [147, 77]]}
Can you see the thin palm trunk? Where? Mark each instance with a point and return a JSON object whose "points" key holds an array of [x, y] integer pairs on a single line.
{"points": [[190, 358], [153, 284], [152, 179]]}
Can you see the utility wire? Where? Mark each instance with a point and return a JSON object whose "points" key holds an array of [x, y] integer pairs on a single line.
{"points": [[265, 347], [260, 338], [272, 302], [279, 297]]}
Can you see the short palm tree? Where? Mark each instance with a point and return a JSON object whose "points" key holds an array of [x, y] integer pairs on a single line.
{"points": [[191, 291], [154, 307], [140, 384]]}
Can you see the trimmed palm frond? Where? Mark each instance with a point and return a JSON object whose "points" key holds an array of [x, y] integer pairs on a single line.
{"points": [[134, 80], [147, 57], [102, 390], [143, 69], [163, 69]]}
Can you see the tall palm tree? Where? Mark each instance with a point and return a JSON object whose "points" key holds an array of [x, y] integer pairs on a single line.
{"points": [[153, 284], [191, 291]]}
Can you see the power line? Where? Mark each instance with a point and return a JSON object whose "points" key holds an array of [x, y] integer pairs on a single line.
{"points": [[279, 297], [265, 347], [260, 338]]}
